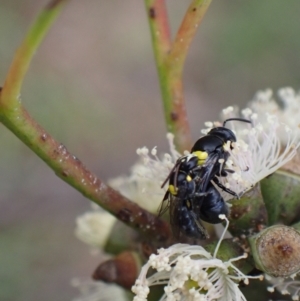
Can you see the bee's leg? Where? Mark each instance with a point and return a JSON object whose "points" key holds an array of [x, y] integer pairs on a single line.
{"points": [[217, 182], [224, 172], [198, 194]]}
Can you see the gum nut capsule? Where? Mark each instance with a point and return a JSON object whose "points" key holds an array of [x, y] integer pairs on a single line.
{"points": [[276, 250], [281, 192]]}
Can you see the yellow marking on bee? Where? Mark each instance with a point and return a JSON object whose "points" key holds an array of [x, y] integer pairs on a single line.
{"points": [[201, 162], [188, 203], [172, 189], [189, 178], [202, 156]]}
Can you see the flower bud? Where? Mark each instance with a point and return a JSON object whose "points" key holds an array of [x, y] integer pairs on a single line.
{"points": [[248, 214], [231, 248], [276, 250], [121, 238], [94, 227], [281, 193], [122, 270]]}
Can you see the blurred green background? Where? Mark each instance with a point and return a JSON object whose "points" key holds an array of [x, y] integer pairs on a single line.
{"points": [[93, 86]]}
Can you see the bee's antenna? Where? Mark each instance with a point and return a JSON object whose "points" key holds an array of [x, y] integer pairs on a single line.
{"points": [[237, 119]]}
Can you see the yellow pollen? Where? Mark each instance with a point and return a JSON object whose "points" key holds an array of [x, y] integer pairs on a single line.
{"points": [[189, 284], [189, 178]]}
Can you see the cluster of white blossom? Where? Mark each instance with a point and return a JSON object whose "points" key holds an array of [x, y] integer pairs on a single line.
{"points": [[258, 151], [190, 273], [287, 108]]}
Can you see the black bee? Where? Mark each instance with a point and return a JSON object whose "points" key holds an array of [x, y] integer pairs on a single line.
{"points": [[191, 195]]}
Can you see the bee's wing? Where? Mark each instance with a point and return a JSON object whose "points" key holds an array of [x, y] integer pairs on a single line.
{"points": [[175, 168], [208, 171], [201, 229], [175, 206], [176, 220], [165, 204], [195, 215]]}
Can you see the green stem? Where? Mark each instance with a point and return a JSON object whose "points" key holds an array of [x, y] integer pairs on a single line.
{"points": [[13, 83], [184, 37], [160, 30], [15, 117], [170, 60]]}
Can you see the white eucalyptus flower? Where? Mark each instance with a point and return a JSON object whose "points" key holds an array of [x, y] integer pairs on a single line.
{"points": [[287, 108], [258, 152], [190, 273]]}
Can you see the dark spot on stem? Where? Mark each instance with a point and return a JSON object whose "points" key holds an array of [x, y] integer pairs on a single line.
{"points": [[124, 215], [194, 9], [174, 116], [143, 214], [64, 173], [75, 158], [44, 137], [152, 13], [137, 226]]}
